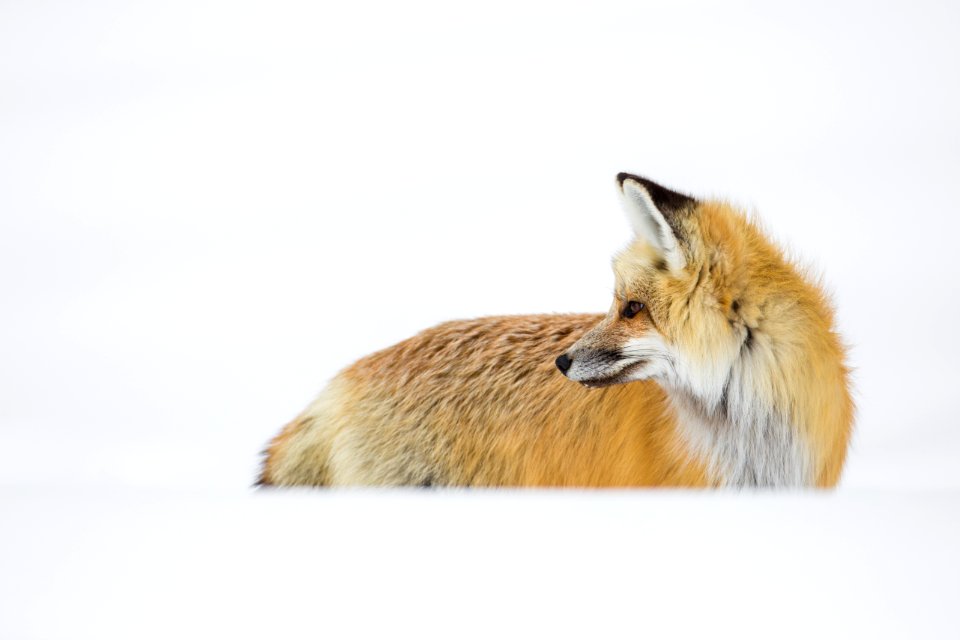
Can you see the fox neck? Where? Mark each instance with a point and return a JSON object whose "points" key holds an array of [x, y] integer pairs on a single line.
{"points": [[742, 436]]}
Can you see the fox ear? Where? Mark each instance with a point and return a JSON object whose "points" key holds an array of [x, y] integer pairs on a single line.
{"points": [[654, 213]]}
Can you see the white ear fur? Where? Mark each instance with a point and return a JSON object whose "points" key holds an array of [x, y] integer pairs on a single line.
{"points": [[649, 223]]}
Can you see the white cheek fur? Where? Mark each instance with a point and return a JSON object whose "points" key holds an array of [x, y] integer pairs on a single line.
{"points": [[652, 349]]}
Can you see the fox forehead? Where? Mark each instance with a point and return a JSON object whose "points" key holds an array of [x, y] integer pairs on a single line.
{"points": [[636, 270]]}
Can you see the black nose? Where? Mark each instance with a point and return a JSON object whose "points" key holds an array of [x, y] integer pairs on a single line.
{"points": [[563, 363]]}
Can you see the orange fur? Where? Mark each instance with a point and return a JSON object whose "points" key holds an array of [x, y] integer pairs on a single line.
{"points": [[480, 402]]}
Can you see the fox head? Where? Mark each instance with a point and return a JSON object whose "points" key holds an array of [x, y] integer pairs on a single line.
{"points": [[682, 311], [737, 334]]}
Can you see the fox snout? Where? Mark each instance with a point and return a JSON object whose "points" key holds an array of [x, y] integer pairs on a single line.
{"points": [[594, 358], [592, 367]]}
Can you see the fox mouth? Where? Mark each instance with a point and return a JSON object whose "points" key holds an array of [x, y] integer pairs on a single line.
{"points": [[621, 376]]}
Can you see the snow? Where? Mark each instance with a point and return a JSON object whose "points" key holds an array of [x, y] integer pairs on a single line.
{"points": [[208, 208], [479, 564]]}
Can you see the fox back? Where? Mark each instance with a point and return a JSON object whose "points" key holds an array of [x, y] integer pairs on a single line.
{"points": [[717, 364]]}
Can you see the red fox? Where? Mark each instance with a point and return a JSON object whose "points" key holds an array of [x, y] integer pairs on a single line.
{"points": [[717, 365]]}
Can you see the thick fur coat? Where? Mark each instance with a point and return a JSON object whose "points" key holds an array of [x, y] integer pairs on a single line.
{"points": [[717, 364]]}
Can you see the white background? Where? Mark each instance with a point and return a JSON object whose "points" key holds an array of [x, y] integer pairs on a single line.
{"points": [[208, 208]]}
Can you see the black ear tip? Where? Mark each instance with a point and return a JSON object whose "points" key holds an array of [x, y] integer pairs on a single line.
{"points": [[662, 197]]}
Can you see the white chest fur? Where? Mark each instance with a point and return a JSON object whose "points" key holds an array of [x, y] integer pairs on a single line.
{"points": [[743, 448]]}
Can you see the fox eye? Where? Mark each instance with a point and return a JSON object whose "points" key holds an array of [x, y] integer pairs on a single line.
{"points": [[633, 308]]}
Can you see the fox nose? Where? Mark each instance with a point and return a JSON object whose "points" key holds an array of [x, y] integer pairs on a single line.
{"points": [[563, 363]]}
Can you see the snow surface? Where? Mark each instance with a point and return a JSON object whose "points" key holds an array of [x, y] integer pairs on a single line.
{"points": [[207, 208], [479, 565]]}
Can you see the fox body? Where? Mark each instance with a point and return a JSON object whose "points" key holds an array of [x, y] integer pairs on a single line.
{"points": [[717, 364]]}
